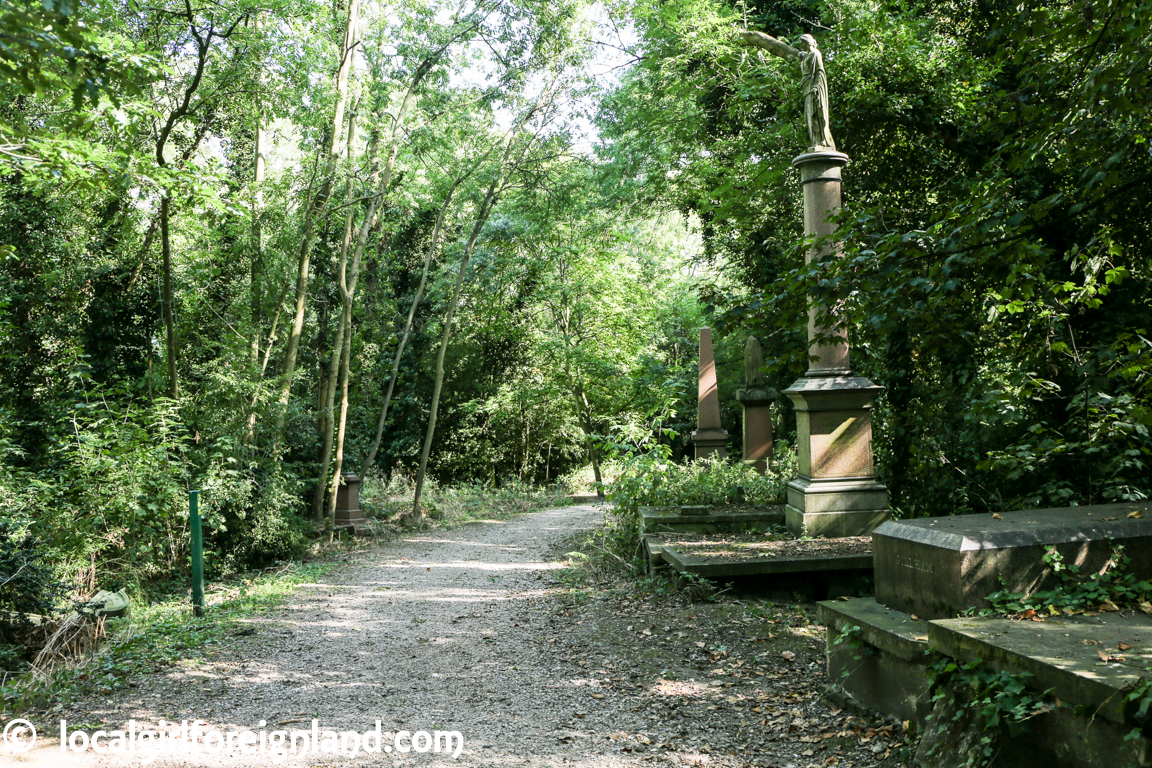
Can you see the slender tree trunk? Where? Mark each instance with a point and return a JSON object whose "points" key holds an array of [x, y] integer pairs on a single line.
{"points": [[348, 280], [370, 459], [494, 191], [311, 218], [169, 321], [481, 218], [328, 400], [342, 426], [269, 344], [584, 408], [203, 50], [257, 246], [201, 132]]}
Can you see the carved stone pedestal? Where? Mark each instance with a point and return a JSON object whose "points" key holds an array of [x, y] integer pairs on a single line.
{"points": [[348, 512], [835, 493], [757, 405]]}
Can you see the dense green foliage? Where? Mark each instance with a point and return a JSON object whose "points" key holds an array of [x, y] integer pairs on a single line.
{"points": [[215, 221], [997, 267], [974, 705], [652, 479]]}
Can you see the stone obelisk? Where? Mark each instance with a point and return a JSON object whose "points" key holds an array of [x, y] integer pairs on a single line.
{"points": [[756, 399], [709, 438], [835, 492]]}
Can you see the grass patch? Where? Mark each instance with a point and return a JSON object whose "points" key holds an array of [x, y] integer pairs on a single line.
{"points": [[155, 637]]}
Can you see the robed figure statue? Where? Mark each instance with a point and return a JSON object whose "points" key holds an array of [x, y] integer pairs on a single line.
{"points": [[813, 82]]}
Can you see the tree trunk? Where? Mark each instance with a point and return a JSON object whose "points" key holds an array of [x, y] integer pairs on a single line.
{"points": [[257, 247], [312, 215], [166, 299], [481, 218], [494, 191], [584, 409], [348, 280], [328, 400], [370, 459]]}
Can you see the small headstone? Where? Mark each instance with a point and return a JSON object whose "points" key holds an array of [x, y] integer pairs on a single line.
{"points": [[756, 400], [695, 510]]}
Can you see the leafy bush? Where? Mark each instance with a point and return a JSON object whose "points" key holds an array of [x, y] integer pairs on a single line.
{"points": [[652, 479], [28, 586], [974, 704]]}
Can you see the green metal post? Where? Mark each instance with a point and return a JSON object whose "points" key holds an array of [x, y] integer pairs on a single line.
{"points": [[197, 553]]}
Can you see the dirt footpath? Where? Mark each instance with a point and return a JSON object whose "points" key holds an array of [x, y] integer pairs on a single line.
{"points": [[471, 631]]}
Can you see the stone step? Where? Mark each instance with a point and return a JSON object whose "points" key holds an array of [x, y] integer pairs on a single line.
{"points": [[883, 665], [939, 567], [715, 558]]}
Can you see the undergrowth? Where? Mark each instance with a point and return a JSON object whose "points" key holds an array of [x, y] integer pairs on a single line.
{"points": [[1112, 588], [653, 479], [391, 498], [978, 699], [154, 637]]}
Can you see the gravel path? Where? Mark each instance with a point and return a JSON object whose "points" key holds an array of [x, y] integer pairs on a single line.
{"points": [[469, 630]]}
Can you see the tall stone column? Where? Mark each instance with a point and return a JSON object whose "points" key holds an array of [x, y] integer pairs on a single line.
{"points": [[835, 492], [709, 438]]}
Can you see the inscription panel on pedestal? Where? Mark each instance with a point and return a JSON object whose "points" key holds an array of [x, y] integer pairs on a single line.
{"points": [[840, 443]]}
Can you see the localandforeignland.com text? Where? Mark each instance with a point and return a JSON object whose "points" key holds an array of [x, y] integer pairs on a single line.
{"points": [[196, 736]]}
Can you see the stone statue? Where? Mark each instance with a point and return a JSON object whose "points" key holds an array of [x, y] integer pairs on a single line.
{"points": [[813, 82], [753, 364]]}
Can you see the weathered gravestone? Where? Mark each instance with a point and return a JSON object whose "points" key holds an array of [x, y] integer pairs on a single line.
{"points": [[709, 438], [348, 512], [940, 567], [756, 399]]}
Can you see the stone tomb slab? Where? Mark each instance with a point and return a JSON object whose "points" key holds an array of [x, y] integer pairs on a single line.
{"points": [[939, 567], [710, 519], [1063, 654], [882, 666], [719, 557]]}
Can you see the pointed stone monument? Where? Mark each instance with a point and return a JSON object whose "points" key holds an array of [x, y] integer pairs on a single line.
{"points": [[836, 492], [710, 439], [756, 400]]}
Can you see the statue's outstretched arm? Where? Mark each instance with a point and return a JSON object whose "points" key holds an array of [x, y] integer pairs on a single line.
{"points": [[770, 44]]}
